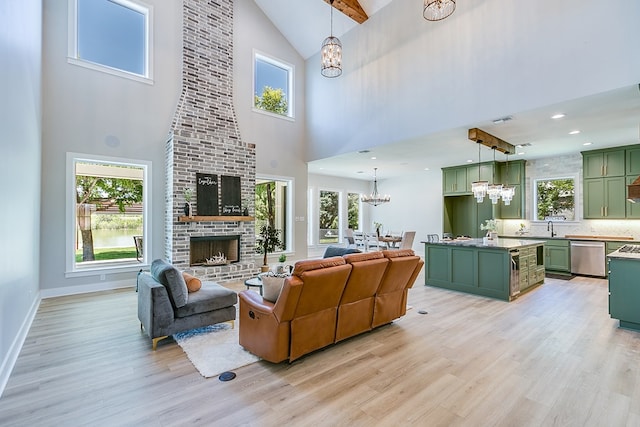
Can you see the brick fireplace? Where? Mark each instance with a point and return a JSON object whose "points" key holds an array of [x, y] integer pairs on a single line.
{"points": [[205, 138]]}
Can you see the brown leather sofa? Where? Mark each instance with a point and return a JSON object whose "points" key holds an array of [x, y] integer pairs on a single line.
{"points": [[326, 301]]}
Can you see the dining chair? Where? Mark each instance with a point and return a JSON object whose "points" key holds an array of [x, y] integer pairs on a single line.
{"points": [[359, 240], [372, 242], [348, 237], [407, 240]]}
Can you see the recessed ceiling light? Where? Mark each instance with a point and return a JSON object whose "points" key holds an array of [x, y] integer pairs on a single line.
{"points": [[574, 132], [469, 161], [521, 153], [373, 158], [587, 143], [558, 116], [426, 169]]}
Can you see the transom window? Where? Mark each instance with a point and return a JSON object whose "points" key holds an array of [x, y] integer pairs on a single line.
{"points": [[107, 213], [111, 36], [272, 86]]}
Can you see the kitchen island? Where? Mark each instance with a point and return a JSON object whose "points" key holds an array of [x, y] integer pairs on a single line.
{"points": [[499, 269], [624, 286]]}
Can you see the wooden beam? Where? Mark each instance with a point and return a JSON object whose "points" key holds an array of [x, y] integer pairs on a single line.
{"points": [[491, 141], [351, 8]]}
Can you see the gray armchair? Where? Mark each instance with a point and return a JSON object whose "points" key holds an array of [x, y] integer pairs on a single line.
{"points": [[165, 306]]}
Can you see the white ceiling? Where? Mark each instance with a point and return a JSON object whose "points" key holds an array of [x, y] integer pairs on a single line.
{"points": [[604, 120]]}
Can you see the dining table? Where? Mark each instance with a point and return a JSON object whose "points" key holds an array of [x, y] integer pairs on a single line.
{"points": [[390, 241]]}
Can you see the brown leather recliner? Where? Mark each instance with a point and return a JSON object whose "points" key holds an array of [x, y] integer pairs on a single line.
{"points": [[391, 297], [303, 318], [355, 312]]}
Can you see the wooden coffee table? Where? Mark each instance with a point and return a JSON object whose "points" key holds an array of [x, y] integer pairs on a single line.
{"points": [[254, 282]]}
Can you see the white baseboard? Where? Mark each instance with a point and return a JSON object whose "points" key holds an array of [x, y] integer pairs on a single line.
{"points": [[84, 289], [14, 350]]}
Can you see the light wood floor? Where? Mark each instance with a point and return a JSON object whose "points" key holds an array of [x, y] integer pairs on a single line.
{"points": [[551, 358]]}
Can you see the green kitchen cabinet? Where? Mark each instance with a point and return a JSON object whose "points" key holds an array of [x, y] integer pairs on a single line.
{"points": [[454, 180], [624, 292], [604, 198], [557, 257], [513, 174], [487, 173], [603, 163], [633, 161], [613, 246]]}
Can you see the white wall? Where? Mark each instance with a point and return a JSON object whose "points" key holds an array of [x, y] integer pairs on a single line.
{"points": [[416, 205], [280, 143], [82, 108], [405, 77], [20, 115]]}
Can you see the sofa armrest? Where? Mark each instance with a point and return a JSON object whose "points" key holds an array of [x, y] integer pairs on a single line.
{"points": [[154, 307], [256, 302]]}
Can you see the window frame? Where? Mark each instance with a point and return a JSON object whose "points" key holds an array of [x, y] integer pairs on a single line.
{"points": [[290, 83], [289, 220], [72, 43], [71, 267], [576, 198]]}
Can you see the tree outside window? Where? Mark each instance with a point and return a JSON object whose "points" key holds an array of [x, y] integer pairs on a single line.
{"points": [[272, 86], [353, 210], [271, 198], [555, 198], [328, 217]]}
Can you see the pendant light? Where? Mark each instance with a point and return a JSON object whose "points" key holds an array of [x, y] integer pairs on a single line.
{"points": [[495, 190], [508, 191], [479, 187], [436, 10], [375, 198], [331, 53]]}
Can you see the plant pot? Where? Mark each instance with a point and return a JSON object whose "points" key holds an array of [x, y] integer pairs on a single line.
{"points": [[187, 209], [245, 212], [264, 268]]}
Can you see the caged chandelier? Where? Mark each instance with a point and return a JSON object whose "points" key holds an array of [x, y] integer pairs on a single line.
{"points": [[331, 53], [375, 198], [436, 10]]}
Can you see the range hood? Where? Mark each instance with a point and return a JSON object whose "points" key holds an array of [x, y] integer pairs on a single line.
{"points": [[633, 191]]}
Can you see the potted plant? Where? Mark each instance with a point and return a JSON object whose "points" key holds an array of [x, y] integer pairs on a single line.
{"points": [[268, 241], [377, 226], [491, 225]]}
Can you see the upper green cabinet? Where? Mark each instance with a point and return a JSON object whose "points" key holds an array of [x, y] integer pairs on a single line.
{"points": [[454, 181], [603, 163], [606, 174], [633, 161], [512, 173], [457, 180]]}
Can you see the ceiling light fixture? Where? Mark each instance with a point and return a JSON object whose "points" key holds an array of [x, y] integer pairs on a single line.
{"points": [[508, 191], [495, 190], [436, 10], [331, 53], [558, 116], [375, 198], [479, 187], [574, 132]]}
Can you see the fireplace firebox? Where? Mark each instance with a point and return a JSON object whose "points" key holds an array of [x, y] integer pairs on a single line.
{"points": [[214, 250]]}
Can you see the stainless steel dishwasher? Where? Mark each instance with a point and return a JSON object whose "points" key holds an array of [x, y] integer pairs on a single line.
{"points": [[588, 258]]}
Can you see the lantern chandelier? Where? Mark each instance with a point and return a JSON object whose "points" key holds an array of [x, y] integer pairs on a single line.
{"points": [[331, 53], [495, 191], [375, 198], [436, 10]]}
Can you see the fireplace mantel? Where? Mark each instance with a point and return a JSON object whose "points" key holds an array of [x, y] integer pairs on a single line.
{"points": [[226, 218]]}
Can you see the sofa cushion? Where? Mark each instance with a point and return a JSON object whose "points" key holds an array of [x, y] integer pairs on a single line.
{"points": [[193, 283], [339, 251], [210, 297], [172, 279]]}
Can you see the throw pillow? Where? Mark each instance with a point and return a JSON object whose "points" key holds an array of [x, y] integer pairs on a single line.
{"points": [[172, 279], [272, 284], [332, 251], [193, 283]]}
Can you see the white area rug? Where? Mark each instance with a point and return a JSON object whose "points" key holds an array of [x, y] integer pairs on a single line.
{"points": [[214, 349]]}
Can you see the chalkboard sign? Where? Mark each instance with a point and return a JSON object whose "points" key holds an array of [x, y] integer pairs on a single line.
{"points": [[231, 195], [207, 194]]}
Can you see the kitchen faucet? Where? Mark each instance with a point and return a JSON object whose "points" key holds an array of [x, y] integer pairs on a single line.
{"points": [[550, 224]]}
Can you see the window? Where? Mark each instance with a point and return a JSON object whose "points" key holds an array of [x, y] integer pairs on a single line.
{"points": [[107, 213], [554, 199], [272, 204], [353, 210], [272, 86], [111, 36], [328, 218]]}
